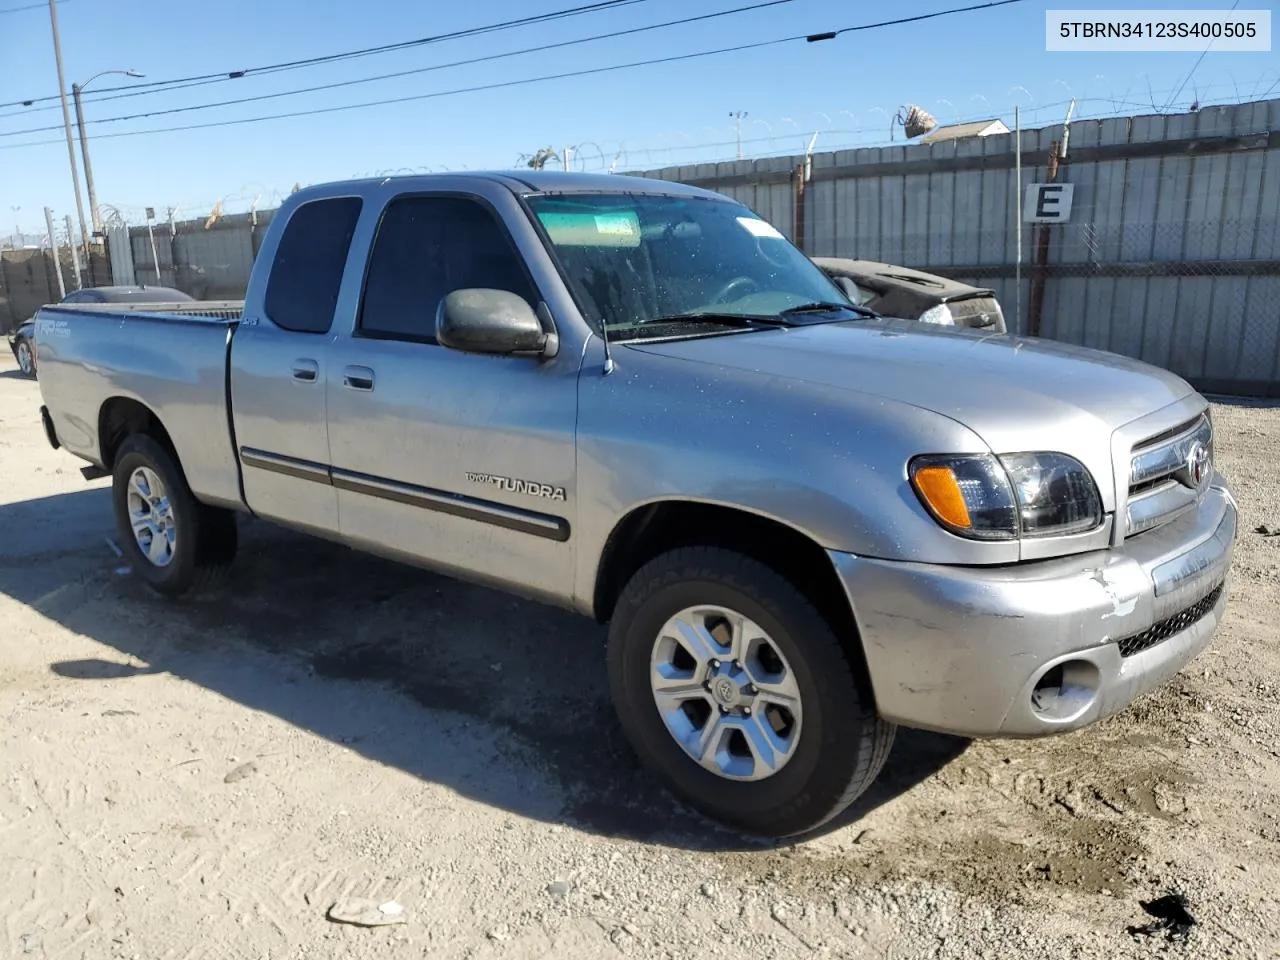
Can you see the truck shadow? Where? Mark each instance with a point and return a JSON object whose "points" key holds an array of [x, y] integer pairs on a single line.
{"points": [[504, 701]]}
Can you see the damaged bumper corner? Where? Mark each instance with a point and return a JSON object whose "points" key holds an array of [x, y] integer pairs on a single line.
{"points": [[1040, 648]]}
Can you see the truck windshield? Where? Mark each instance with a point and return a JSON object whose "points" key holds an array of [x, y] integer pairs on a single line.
{"points": [[646, 265]]}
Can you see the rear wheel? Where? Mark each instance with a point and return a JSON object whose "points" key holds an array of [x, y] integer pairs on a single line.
{"points": [[26, 359], [174, 542], [735, 689]]}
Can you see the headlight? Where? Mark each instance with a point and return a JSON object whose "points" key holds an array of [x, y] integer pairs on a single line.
{"points": [[939, 314], [1002, 498]]}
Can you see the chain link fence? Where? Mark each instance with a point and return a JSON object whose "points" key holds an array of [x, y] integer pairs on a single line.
{"points": [[1198, 297]]}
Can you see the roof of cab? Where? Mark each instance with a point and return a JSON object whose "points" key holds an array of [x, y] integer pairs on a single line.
{"points": [[553, 181], [535, 181]]}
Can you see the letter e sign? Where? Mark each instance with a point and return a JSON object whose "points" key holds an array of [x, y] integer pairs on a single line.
{"points": [[1047, 202]]}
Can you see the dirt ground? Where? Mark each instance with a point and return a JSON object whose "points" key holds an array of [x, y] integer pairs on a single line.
{"points": [[205, 779]]}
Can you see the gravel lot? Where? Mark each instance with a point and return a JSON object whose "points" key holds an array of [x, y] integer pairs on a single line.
{"points": [[205, 779]]}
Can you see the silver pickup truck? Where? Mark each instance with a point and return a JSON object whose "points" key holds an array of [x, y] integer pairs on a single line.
{"points": [[804, 523]]}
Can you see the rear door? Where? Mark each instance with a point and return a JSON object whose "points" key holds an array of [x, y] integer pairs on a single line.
{"points": [[279, 366], [462, 460]]}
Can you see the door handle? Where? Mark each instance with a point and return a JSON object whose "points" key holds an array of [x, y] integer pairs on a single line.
{"points": [[357, 378], [306, 370]]}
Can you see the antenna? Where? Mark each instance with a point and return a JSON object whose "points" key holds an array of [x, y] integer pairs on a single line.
{"points": [[608, 353]]}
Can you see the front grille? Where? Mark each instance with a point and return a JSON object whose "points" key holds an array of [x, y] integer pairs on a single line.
{"points": [[1162, 631], [1162, 481]]}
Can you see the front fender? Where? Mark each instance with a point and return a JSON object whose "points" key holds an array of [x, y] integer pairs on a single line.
{"points": [[827, 462]]}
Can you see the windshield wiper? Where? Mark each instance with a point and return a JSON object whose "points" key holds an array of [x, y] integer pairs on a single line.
{"points": [[725, 319], [826, 306]]}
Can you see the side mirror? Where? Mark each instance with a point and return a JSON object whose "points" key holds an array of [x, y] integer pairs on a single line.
{"points": [[856, 294], [490, 321]]}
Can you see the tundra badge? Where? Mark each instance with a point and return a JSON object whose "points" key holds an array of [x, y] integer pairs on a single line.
{"points": [[513, 485]]}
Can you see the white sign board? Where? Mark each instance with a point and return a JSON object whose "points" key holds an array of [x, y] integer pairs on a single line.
{"points": [[1047, 202]]}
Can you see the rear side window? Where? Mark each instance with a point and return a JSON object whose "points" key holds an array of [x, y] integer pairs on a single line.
{"points": [[306, 274], [426, 248]]}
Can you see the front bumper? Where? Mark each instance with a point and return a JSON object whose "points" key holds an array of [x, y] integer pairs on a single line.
{"points": [[1034, 649]]}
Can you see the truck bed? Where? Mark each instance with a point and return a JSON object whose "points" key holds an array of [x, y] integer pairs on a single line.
{"points": [[171, 358]]}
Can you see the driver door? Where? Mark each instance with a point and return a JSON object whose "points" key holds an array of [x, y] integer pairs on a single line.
{"points": [[461, 460]]}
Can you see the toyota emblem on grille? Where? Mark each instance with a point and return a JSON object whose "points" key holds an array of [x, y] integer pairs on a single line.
{"points": [[1199, 464]]}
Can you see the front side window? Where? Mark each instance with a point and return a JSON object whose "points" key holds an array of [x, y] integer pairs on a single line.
{"points": [[640, 264], [426, 248]]}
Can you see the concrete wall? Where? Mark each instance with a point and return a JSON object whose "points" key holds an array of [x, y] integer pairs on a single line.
{"points": [[209, 264], [28, 281]]}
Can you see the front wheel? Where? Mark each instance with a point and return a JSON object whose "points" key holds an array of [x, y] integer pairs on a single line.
{"points": [[733, 687], [26, 359], [174, 542]]}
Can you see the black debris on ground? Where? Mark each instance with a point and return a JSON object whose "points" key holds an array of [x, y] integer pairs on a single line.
{"points": [[1171, 918]]}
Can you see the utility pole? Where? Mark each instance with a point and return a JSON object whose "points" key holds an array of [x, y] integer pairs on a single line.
{"points": [[75, 257], [66, 123], [94, 218], [53, 248], [737, 116], [155, 257], [76, 90]]}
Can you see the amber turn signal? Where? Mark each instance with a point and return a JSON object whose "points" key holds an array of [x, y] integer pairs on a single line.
{"points": [[940, 490]]}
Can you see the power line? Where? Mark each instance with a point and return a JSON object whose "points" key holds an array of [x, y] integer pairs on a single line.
{"points": [[159, 85], [30, 6], [542, 48], [737, 48], [1115, 102], [1195, 66], [840, 144]]}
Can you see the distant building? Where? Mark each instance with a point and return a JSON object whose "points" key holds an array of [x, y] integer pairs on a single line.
{"points": [[963, 131]]}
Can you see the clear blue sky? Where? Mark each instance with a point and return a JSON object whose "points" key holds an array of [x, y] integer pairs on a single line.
{"points": [[963, 66]]}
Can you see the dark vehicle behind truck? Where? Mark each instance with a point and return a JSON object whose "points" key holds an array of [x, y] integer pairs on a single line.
{"points": [[915, 295]]}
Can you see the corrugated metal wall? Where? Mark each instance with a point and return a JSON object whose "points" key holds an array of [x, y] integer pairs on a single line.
{"points": [[1171, 255]]}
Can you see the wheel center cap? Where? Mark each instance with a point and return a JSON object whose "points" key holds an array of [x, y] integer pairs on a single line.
{"points": [[725, 691]]}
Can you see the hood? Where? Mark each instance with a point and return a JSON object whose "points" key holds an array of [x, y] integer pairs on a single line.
{"points": [[886, 278], [1017, 394]]}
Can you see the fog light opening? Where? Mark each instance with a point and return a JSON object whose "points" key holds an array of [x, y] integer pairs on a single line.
{"points": [[1065, 691]]}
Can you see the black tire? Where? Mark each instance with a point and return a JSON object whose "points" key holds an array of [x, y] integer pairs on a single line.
{"points": [[206, 538], [843, 744], [26, 365]]}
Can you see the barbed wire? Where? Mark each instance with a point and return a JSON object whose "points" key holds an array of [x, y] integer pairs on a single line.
{"points": [[679, 148]]}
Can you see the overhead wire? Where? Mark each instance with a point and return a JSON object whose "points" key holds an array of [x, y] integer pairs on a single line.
{"points": [[1195, 66], [593, 71], [30, 6], [151, 86], [729, 143], [338, 84]]}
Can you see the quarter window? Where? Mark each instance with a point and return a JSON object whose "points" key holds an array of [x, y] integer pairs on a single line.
{"points": [[306, 275]]}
